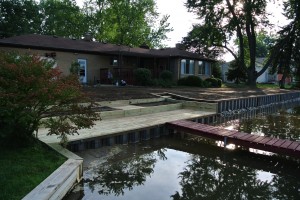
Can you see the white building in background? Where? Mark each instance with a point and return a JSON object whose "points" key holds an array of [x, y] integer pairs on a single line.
{"points": [[266, 77]]}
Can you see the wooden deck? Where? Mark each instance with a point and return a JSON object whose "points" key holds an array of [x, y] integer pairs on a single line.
{"points": [[275, 145]]}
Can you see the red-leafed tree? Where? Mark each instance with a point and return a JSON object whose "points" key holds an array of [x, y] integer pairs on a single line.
{"points": [[32, 94]]}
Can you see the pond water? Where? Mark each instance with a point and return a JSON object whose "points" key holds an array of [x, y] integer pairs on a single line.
{"points": [[192, 168]]}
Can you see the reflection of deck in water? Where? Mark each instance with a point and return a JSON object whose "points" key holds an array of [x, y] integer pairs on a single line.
{"points": [[280, 146]]}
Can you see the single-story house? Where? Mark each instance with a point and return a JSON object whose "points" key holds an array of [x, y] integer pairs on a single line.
{"points": [[99, 60], [265, 77]]}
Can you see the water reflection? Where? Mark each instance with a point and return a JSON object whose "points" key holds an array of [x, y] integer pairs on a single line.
{"points": [[124, 174], [187, 169], [284, 124], [204, 178]]}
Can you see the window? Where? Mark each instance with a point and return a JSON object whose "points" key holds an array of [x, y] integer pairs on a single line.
{"points": [[114, 61], [187, 66], [82, 70], [201, 65], [204, 68]]}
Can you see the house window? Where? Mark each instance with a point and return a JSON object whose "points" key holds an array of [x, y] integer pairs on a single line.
{"points": [[49, 60], [204, 68], [187, 66], [201, 65], [82, 70], [114, 61]]}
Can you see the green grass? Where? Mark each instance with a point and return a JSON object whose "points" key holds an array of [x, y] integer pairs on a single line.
{"points": [[21, 170], [267, 86]]}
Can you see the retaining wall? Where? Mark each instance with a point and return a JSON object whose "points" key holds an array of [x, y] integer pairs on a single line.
{"points": [[250, 102]]}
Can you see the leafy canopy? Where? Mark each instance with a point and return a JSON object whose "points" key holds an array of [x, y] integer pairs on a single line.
{"points": [[222, 21], [126, 22], [285, 55]]}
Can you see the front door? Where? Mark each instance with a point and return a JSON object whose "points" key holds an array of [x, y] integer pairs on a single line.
{"points": [[82, 71]]}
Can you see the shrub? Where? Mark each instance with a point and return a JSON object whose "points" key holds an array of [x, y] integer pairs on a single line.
{"points": [[193, 81], [31, 89], [214, 82], [142, 76], [166, 75], [163, 83]]}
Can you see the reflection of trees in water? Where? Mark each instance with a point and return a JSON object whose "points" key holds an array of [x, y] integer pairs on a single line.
{"points": [[125, 174], [207, 178], [286, 188], [284, 125]]}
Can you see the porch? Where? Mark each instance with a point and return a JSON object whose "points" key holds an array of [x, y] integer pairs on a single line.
{"points": [[126, 74]]}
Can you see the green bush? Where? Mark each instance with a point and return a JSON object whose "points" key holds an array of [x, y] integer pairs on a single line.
{"points": [[213, 82], [163, 83], [193, 81], [166, 75], [142, 77]]}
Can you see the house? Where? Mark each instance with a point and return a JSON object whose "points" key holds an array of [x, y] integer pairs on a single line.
{"points": [[224, 69], [98, 59], [266, 77]]}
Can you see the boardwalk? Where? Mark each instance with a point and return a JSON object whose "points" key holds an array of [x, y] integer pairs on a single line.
{"points": [[110, 127], [275, 145]]}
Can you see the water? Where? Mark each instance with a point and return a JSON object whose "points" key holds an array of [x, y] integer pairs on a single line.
{"points": [[184, 168]]}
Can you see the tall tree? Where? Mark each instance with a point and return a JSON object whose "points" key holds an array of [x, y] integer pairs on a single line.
{"points": [[286, 51], [127, 22], [19, 17], [62, 18], [222, 21]]}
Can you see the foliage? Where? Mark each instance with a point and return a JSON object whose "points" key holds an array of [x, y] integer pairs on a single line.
{"points": [[286, 51], [222, 21], [116, 21], [263, 44], [142, 76], [62, 18], [166, 75], [214, 82], [22, 169], [163, 83], [193, 81], [19, 17], [216, 71], [236, 73], [30, 90], [126, 22], [75, 67]]}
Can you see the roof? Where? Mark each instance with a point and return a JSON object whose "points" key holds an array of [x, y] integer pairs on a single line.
{"points": [[46, 42]]}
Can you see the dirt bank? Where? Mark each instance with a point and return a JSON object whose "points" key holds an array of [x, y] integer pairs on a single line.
{"points": [[111, 93]]}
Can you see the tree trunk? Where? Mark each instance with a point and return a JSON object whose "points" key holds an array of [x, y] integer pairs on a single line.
{"points": [[282, 81], [251, 78]]}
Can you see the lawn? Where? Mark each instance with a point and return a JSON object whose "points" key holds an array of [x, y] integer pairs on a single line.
{"points": [[21, 170]]}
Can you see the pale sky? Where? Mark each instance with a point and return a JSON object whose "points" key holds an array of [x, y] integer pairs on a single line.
{"points": [[181, 20]]}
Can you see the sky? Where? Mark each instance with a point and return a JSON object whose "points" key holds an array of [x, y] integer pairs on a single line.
{"points": [[182, 21]]}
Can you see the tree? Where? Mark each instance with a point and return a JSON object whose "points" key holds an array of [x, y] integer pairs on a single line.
{"points": [[62, 18], [221, 22], [216, 71], [236, 73], [33, 93], [264, 43], [286, 51], [127, 22], [19, 17]]}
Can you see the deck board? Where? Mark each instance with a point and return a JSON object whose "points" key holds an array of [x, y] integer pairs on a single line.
{"points": [[265, 143], [259, 139], [293, 146]]}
